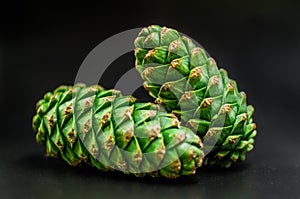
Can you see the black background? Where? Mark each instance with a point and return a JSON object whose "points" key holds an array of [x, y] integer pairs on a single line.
{"points": [[42, 45]]}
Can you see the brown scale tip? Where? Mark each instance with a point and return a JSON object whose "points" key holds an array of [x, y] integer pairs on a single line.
{"points": [[145, 86], [52, 98], [232, 140], [71, 90], [131, 99], [253, 126], [200, 161], [195, 50], [164, 30], [160, 153], [207, 102], [211, 132], [86, 126], [143, 30], [150, 54], [176, 166], [180, 137], [166, 86], [40, 132], [138, 157], [105, 118], [191, 124], [128, 135], [68, 110], [154, 132], [51, 121], [136, 50], [187, 96], [109, 98], [193, 170], [175, 122], [71, 136], [51, 154], [148, 71], [158, 101], [148, 38], [128, 112], [151, 113], [192, 155], [109, 145], [199, 142], [174, 115], [225, 108], [230, 86], [174, 45], [83, 157], [94, 151], [212, 61], [88, 102], [39, 110], [244, 116], [93, 89], [114, 91], [151, 26], [59, 144], [174, 63], [122, 165], [196, 73], [215, 80], [171, 175], [243, 95], [154, 173]]}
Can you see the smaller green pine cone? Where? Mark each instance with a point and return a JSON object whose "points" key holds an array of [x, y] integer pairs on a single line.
{"points": [[179, 75]]}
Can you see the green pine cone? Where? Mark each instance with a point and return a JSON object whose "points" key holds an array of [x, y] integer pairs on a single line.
{"points": [[109, 131], [180, 76]]}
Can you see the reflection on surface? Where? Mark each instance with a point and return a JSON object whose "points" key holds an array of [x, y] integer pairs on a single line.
{"points": [[48, 178], [25, 171]]}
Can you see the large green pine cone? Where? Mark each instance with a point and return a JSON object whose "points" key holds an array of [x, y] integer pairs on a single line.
{"points": [[179, 75], [104, 129]]}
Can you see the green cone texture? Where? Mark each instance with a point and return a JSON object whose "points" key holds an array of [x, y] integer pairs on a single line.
{"points": [[102, 128], [180, 76]]}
